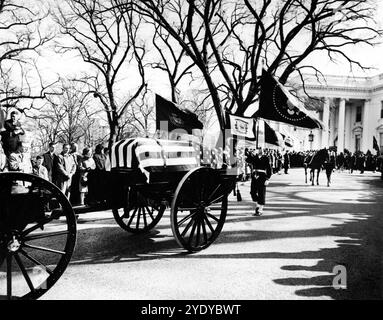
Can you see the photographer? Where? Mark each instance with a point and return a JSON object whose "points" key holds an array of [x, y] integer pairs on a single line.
{"points": [[11, 136]]}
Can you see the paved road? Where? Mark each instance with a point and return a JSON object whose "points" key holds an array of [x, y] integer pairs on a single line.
{"points": [[288, 253]]}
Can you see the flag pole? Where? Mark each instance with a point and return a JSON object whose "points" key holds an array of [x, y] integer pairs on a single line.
{"points": [[257, 135]]}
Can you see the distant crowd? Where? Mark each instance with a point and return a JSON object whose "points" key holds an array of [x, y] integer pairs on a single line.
{"points": [[281, 161]]}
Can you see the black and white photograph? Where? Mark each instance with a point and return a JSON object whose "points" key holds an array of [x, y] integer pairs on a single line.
{"points": [[191, 156]]}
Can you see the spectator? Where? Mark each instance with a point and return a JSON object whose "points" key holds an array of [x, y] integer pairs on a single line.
{"points": [[99, 157], [65, 167], [3, 159], [49, 158], [286, 162], [87, 164], [12, 134], [40, 170], [75, 186], [15, 159]]}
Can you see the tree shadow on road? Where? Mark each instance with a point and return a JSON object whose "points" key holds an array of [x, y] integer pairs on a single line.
{"points": [[359, 250]]}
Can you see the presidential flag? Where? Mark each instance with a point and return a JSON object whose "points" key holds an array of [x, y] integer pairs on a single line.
{"points": [[375, 145], [287, 140], [174, 118], [276, 103], [242, 127]]}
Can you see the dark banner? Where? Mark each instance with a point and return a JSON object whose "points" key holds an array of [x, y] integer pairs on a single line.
{"points": [[277, 104], [176, 118]]}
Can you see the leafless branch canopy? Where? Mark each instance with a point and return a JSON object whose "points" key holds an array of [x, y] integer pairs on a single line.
{"points": [[107, 38], [233, 40], [21, 39]]}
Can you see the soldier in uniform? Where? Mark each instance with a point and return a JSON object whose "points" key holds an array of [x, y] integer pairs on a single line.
{"points": [[261, 174]]}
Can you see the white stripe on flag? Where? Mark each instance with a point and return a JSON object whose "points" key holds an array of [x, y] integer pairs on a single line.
{"points": [[121, 154], [169, 162]]}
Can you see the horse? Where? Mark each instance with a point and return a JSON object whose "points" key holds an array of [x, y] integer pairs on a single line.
{"points": [[316, 163]]}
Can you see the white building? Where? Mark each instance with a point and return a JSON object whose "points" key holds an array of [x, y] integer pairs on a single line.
{"points": [[352, 113]]}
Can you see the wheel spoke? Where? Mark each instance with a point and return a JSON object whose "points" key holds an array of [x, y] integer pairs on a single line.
{"points": [[132, 217], [9, 276], [144, 216], [138, 218], [213, 193], [44, 249], [216, 200], [204, 230], [187, 208], [209, 184], [187, 227], [179, 223], [36, 226], [209, 224], [198, 233], [35, 261], [192, 232], [213, 217], [150, 212], [24, 272], [45, 235]]}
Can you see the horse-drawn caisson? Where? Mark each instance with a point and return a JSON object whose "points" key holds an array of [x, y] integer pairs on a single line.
{"points": [[38, 224]]}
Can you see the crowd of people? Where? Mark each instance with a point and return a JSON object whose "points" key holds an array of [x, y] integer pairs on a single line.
{"points": [[259, 165], [68, 170]]}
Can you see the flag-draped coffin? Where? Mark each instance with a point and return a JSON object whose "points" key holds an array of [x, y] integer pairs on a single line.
{"points": [[152, 155]]}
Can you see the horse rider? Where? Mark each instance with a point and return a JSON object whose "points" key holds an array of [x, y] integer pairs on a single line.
{"points": [[261, 174]]}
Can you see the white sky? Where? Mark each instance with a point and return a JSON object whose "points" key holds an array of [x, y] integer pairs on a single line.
{"points": [[70, 65]]}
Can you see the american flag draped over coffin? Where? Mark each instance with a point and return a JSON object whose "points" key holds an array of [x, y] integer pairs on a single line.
{"points": [[153, 155]]}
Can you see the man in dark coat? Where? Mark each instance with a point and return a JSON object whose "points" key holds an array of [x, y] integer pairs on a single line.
{"points": [[261, 173], [49, 160], [13, 131], [286, 162], [65, 167]]}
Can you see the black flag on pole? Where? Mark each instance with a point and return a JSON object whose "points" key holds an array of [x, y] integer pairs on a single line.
{"points": [[276, 103], [271, 136], [175, 117], [375, 144]]}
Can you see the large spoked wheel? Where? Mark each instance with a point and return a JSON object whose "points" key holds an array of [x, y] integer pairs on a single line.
{"points": [[198, 209], [139, 214], [37, 235]]}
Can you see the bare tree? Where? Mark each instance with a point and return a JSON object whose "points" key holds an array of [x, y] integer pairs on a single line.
{"points": [[107, 38], [66, 117], [21, 39], [278, 35]]}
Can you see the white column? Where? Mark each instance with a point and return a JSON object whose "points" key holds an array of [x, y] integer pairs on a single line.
{"points": [[366, 137], [341, 120], [326, 117]]}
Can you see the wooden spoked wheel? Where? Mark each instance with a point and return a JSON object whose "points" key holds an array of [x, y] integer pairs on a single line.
{"points": [[139, 214], [199, 208], [37, 235]]}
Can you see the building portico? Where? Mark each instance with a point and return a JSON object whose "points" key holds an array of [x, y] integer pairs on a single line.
{"points": [[352, 112]]}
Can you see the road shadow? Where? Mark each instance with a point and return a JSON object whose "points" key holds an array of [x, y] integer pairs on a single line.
{"points": [[359, 250]]}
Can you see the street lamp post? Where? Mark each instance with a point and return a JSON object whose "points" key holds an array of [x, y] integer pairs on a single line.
{"points": [[311, 139]]}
